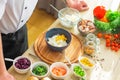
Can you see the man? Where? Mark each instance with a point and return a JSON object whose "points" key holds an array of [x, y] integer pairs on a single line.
{"points": [[13, 32]]}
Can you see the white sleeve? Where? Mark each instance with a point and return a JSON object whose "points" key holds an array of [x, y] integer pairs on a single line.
{"points": [[2, 7]]}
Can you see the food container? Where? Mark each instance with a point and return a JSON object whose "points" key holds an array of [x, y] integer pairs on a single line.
{"points": [[69, 17], [22, 64], [58, 39], [86, 62], [85, 27], [59, 70], [78, 71], [39, 69]]}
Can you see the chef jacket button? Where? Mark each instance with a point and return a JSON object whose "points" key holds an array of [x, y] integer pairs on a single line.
{"points": [[22, 20], [26, 7]]}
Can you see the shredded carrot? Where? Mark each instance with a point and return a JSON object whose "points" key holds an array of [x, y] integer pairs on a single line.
{"points": [[59, 71]]}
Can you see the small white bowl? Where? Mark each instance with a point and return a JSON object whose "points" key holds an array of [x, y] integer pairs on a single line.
{"points": [[59, 65], [86, 65], [39, 64], [20, 62], [69, 17], [81, 70]]}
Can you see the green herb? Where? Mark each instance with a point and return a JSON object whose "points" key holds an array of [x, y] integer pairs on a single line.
{"points": [[40, 70]]}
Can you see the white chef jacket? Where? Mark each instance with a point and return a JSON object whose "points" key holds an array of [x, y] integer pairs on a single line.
{"points": [[14, 14]]}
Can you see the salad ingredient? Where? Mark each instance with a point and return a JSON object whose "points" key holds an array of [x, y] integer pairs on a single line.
{"points": [[102, 25], [59, 71], [110, 22], [99, 35], [58, 40], [86, 62], [99, 12], [22, 63], [39, 70], [112, 41], [111, 16], [104, 19], [79, 71]]}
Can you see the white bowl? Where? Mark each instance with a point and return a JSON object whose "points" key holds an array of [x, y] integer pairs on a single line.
{"points": [[81, 70], [20, 69], [69, 17], [59, 65], [39, 64], [87, 65]]}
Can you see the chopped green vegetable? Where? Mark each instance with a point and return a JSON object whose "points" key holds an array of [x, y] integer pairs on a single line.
{"points": [[79, 71], [40, 70]]}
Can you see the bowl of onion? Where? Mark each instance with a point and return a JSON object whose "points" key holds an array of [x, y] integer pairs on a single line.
{"points": [[22, 64]]}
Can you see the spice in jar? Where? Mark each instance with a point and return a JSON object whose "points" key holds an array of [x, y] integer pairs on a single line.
{"points": [[89, 49]]}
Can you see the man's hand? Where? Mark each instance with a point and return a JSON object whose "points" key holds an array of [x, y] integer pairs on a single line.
{"points": [[6, 76], [77, 4]]}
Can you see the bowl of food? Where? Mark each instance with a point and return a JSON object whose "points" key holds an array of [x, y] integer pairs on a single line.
{"points": [[78, 71], [22, 64], [39, 69], [69, 17], [58, 39], [85, 27], [59, 70], [86, 62]]}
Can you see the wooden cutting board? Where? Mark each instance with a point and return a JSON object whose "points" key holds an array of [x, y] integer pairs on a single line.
{"points": [[72, 52]]}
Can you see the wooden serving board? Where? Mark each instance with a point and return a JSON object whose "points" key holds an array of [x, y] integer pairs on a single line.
{"points": [[73, 51]]}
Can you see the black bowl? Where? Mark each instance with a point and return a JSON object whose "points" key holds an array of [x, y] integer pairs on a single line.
{"points": [[54, 31]]}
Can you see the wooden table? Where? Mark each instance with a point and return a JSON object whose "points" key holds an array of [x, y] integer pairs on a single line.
{"points": [[85, 15]]}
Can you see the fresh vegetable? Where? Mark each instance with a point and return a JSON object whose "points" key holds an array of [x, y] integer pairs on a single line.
{"points": [[99, 12], [99, 35], [59, 71], [107, 21], [102, 25], [79, 71], [111, 16], [22, 63], [112, 41], [39, 70]]}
